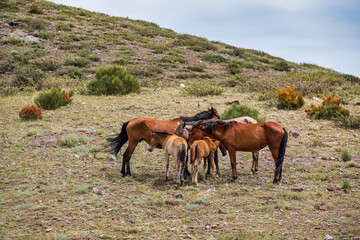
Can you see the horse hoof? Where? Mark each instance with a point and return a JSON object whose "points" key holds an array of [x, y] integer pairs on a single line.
{"points": [[234, 177]]}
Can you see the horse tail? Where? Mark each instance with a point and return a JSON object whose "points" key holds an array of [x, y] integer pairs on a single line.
{"points": [[282, 150], [193, 154], [182, 153], [119, 141]]}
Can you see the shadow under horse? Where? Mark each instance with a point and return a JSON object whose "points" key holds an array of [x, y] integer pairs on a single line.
{"points": [[139, 129]]}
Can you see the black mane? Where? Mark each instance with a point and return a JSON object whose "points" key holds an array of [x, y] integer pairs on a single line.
{"points": [[211, 126], [200, 116]]}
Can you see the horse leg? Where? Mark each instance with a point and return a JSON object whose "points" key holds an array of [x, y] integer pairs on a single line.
{"points": [[167, 166], [195, 170], [255, 157], [127, 156], [232, 154], [278, 148], [208, 166], [186, 171], [216, 160], [177, 162]]}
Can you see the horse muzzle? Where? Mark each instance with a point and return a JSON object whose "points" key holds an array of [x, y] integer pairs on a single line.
{"points": [[150, 149]]}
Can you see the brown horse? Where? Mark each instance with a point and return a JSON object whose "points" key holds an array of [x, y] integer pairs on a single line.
{"points": [[174, 146], [246, 137], [203, 149], [255, 155], [138, 129]]}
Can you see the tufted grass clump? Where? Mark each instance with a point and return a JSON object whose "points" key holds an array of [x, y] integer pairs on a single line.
{"points": [[289, 99], [352, 122], [36, 9], [30, 112], [345, 184], [113, 80], [237, 110], [53, 99], [199, 89], [330, 109], [345, 155]]}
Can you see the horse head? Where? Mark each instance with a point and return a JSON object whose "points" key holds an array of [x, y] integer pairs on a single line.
{"points": [[182, 131], [213, 113]]}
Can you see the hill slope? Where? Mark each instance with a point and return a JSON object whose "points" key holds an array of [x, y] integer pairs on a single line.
{"points": [[44, 44]]}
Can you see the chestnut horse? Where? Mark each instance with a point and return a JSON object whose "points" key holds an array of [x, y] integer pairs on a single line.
{"points": [[203, 149], [236, 136], [138, 129], [172, 145]]}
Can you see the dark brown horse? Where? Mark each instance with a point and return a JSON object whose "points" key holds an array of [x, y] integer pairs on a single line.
{"points": [[245, 137], [139, 129]]}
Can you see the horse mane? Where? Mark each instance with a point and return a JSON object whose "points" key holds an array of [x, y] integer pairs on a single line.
{"points": [[211, 126], [197, 117]]}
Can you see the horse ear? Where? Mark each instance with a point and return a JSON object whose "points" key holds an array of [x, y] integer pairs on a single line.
{"points": [[212, 109]]}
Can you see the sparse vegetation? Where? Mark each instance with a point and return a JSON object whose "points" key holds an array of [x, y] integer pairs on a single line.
{"points": [[345, 155], [53, 99], [199, 89]]}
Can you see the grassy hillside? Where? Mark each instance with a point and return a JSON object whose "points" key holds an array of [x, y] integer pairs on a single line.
{"points": [[44, 44]]}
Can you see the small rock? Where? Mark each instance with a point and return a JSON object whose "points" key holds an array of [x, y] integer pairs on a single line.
{"points": [[213, 226], [328, 237], [357, 104], [48, 229], [295, 133], [182, 85], [316, 99], [271, 201], [231, 101], [297, 188], [221, 211], [178, 195], [330, 188], [281, 210]]}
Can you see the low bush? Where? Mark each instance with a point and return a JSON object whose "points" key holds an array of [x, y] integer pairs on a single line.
{"points": [[30, 112], [53, 99], [346, 185], [47, 35], [330, 109], [281, 66], [345, 155], [197, 68], [233, 68], [202, 89], [113, 80], [289, 99], [36, 9], [28, 77], [48, 64], [61, 26], [350, 121], [213, 58], [236, 110]]}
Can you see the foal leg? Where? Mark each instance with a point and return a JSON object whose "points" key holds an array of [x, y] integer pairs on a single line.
{"points": [[204, 172], [212, 165], [255, 159], [167, 166], [216, 160]]}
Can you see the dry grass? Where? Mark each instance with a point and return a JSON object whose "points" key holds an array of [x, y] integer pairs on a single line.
{"points": [[49, 190]]}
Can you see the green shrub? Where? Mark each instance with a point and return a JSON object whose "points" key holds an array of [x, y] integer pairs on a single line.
{"points": [[233, 68], [13, 41], [53, 99], [197, 68], [213, 58], [237, 110], [77, 62], [346, 184], [350, 121], [289, 99], [74, 74], [345, 155], [47, 35], [113, 80], [48, 64], [70, 140], [235, 80], [202, 89], [28, 77], [72, 38], [61, 26], [282, 66]]}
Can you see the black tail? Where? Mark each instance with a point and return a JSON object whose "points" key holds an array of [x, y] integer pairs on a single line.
{"points": [[119, 141], [282, 150], [182, 153]]}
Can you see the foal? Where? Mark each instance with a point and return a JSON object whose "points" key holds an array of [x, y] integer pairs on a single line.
{"points": [[172, 145], [203, 149]]}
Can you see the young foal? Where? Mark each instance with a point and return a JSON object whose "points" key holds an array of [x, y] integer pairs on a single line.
{"points": [[203, 149], [172, 145]]}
